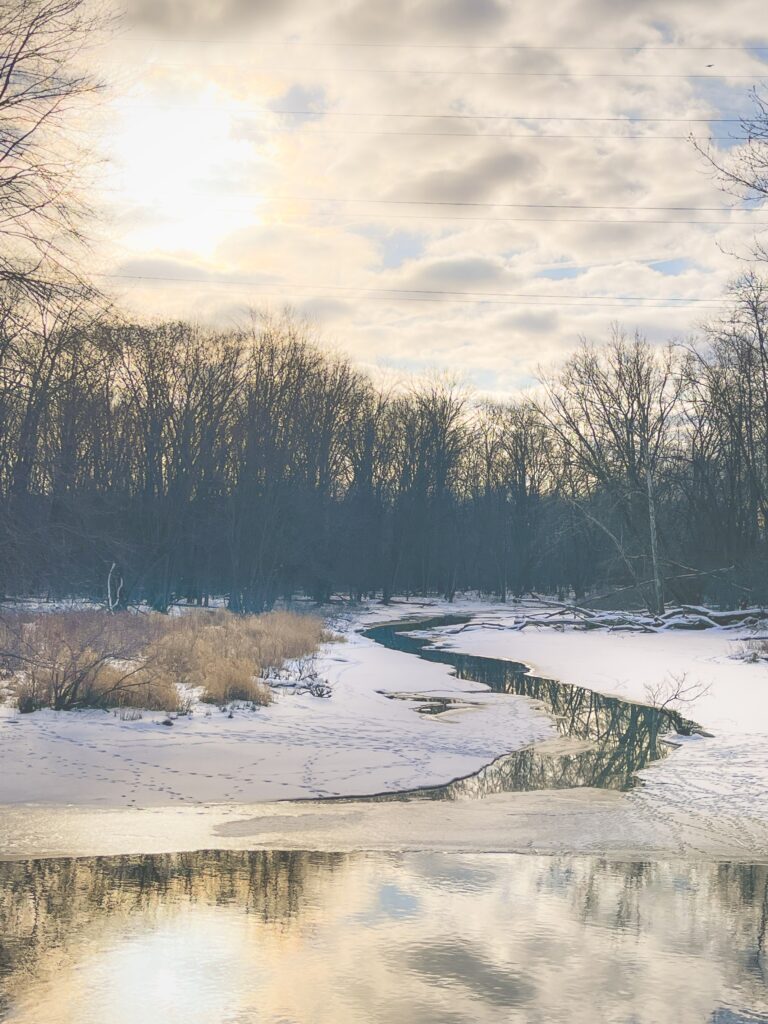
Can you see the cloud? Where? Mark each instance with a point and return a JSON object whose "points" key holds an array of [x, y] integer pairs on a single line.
{"points": [[476, 180], [163, 268], [466, 967], [532, 322], [467, 274], [295, 204], [224, 16], [472, 16], [421, 20]]}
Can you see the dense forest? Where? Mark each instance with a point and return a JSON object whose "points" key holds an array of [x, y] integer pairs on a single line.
{"points": [[166, 462]]}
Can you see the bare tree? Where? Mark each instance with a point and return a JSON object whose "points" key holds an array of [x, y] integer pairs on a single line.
{"points": [[174, 463], [42, 86], [743, 170], [727, 391], [612, 413]]}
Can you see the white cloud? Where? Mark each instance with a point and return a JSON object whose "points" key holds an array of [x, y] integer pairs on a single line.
{"points": [[251, 197]]}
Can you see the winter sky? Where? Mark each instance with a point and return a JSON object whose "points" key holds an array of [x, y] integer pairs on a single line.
{"points": [[466, 185]]}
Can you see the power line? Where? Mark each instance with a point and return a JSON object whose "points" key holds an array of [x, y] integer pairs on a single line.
{"points": [[460, 73], [464, 46], [367, 217], [322, 112], [441, 295], [509, 135], [560, 220], [356, 200], [508, 206], [345, 133]]}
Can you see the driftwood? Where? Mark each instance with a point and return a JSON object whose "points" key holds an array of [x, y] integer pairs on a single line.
{"points": [[690, 617]]}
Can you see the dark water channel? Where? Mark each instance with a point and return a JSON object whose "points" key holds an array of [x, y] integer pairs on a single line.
{"points": [[309, 938], [616, 738]]}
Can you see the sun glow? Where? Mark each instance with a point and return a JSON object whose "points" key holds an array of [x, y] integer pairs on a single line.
{"points": [[183, 178]]}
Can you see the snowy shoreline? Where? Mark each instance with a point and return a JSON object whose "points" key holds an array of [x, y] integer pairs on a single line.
{"points": [[358, 742], [211, 773]]}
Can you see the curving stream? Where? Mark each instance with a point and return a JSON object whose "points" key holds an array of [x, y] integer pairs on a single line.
{"points": [[606, 740]]}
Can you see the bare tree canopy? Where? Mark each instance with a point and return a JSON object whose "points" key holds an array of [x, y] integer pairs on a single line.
{"points": [[612, 414], [166, 462], [743, 171], [42, 86]]}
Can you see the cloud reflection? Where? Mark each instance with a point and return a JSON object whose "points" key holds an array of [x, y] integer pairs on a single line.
{"points": [[218, 938]]}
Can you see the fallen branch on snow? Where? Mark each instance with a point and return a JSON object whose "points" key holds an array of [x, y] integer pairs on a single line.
{"points": [[687, 617]]}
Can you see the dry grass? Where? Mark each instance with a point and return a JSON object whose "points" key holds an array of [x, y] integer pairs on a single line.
{"points": [[68, 660], [209, 654], [281, 637]]}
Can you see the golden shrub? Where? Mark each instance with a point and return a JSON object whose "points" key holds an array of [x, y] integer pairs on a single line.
{"points": [[67, 660]]}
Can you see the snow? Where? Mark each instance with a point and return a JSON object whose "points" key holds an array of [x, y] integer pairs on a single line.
{"points": [[357, 742], [209, 780], [627, 664], [722, 779]]}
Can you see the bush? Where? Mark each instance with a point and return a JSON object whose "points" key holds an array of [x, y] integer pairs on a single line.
{"points": [[754, 650], [66, 660]]}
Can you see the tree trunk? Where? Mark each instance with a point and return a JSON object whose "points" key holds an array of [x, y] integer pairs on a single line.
{"points": [[658, 585]]}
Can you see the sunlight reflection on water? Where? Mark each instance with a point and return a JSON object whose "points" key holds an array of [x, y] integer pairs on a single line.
{"points": [[234, 938]]}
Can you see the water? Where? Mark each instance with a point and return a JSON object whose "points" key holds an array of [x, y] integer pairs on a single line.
{"points": [[307, 938], [413, 938], [615, 738]]}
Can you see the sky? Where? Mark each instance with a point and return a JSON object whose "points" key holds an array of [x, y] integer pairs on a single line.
{"points": [[460, 185]]}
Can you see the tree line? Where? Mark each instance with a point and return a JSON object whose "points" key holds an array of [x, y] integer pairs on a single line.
{"points": [[166, 462]]}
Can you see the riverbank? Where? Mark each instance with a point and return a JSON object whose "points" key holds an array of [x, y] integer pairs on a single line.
{"points": [[357, 742], [81, 785], [581, 821], [720, 779]]}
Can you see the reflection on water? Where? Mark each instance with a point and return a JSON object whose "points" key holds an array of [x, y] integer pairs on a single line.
{"points": [[617, 737], [235, 938]]}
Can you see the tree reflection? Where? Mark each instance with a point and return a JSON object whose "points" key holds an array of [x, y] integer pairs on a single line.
{"points": [[624, 737], [487, 927], [44, 901]]}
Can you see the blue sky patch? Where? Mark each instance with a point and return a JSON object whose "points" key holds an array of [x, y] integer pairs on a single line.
{"points": [[671, 268], [395, 247], [299, 98], [561, 273]]}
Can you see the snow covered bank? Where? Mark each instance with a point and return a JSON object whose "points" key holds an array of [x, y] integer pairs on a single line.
{"points": [[718, 778], [576, 821], [357, 742], [207, 780], [628, 664]]}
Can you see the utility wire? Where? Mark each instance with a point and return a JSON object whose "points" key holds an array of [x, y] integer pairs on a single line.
{"points": [[355, 200], [508, 206], [367, 217], [323, 112], [315, 44], [345, 133], [427, 294], [630, 122], [492, 117], [460, 73]]}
